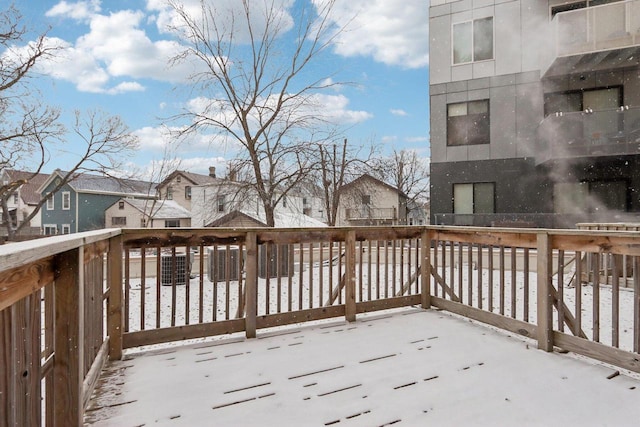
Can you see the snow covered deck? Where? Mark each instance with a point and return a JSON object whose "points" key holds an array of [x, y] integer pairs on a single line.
{"points": [[404, 367]]}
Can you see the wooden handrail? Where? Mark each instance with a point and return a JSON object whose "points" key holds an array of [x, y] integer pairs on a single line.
{"points": [[427, 260]]}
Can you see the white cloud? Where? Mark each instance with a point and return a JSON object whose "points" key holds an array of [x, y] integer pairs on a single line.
{"points": [[167, 140], [398, 112], [126, 87], [334, 108], [394, 32], [115, 47], [413, 139], [227, 13], [389, 138], [331, 109], [79, 10]]}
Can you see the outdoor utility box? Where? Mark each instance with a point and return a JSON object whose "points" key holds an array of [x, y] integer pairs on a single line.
{"points": [[167, 273], [273, 261], [223, 263]]}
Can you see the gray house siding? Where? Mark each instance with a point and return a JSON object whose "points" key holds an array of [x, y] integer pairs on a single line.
{"points": [[58, 216], [92, 207], [527, 158]]}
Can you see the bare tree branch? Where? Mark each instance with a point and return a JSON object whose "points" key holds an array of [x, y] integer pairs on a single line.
{"points": [[258, 93]]}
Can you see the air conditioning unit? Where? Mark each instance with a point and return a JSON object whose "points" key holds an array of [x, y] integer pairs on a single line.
{"points": [[270, 264], [168, 275], [223, 263]]}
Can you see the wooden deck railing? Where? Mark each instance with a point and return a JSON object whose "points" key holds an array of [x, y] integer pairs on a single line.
{"points": [[52, 340], [156, 286]]}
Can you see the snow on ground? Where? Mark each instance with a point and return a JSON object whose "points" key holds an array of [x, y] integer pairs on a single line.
{"points": [[404, 367], [370, 279]]}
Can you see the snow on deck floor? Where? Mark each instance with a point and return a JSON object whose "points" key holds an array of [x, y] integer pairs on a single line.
{"points": [[407, 367]]}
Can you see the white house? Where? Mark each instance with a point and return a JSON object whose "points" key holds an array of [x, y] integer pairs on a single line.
{"points": [[231, 203], [25, 199], [132, 213], [369, 201]]}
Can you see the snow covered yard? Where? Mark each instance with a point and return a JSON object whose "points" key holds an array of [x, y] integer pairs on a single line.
{"points": [[404, 367]]}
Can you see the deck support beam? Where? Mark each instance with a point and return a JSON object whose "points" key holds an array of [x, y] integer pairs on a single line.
{"points": [[69, 330], [114, 301], [251, 284]]}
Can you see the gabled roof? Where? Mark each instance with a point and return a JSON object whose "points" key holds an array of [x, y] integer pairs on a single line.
{"points": [[28, 191], [194, 178], [282, 220], [162, 209], [366, 177], [96, 184]]}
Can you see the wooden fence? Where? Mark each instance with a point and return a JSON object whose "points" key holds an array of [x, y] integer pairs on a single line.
{"points": [[162, 285]]}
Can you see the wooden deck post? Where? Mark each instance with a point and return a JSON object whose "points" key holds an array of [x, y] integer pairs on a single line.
{"points": [[545, 306], [425, 268], [68, 360], [350, 277], [251, 284], [114, 303]]}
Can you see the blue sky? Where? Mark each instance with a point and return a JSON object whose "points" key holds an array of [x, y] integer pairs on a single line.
{"points": [[115, 55]]}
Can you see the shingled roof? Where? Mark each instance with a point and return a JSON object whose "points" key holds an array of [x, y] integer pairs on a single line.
{"points": [[194, 178], [28, 191], [162, 209], [86, 183]]}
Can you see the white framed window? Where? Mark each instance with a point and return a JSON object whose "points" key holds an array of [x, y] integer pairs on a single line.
{"points": [[50, 202], [472, 41], [187, 192], [66, 200], [66, 228], [221, 203], [172, 223], [50, 229], [16, 198], [169, 195]]}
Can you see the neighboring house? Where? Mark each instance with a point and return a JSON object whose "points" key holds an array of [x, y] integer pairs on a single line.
{"points": [[311, 196], [146, 213], [178, 186], [417, 213], [24, 201], [535, 112], [369, 201], [239, 219], [80, 204], [227, 202]]}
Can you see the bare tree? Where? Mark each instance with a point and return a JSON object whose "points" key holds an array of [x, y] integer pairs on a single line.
{"points": [[260, 96], [339, 164], [408, 172], [26, 126], [158, 171], [106, 142]]}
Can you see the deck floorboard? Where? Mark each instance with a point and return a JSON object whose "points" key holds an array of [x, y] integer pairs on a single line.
{"points": [[406, 367]]}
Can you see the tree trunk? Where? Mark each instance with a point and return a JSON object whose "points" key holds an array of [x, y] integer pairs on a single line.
{"points": [[269, 216]]}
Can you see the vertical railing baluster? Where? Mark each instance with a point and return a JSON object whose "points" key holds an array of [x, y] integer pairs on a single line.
{"points": [[615, 303], [350, 276], [426, 269], [561, 291]]}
